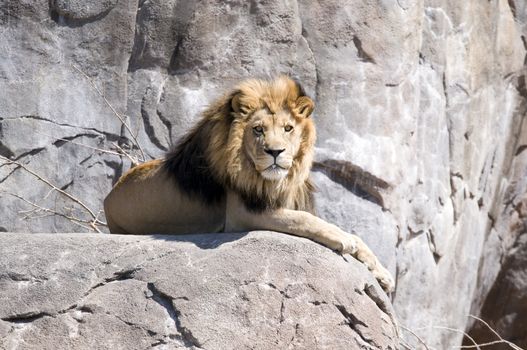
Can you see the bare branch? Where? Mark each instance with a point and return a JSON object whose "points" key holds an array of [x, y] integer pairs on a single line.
{"points": [[38, 208], [486, 325], [416, 336], [94, 217], [122, 152], [495, 342], [499, 341], [119, 116], [451, 330]]}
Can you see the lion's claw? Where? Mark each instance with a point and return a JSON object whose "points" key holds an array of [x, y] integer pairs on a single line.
{"points": [[385, 279]]}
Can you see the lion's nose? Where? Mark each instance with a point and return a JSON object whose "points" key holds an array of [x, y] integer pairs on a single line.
{"points": [[274, 152]]}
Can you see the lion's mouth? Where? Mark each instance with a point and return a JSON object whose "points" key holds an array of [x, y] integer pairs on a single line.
{"points": [[274, 172], [274, 167]]}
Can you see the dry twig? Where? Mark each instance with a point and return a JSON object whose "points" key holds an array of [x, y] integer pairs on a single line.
{"points": [[416, 336], [39, 208], [500, 340], [119, 153], [117, 114], [94, 222]]}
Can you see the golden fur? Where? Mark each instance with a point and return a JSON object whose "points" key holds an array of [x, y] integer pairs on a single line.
{"points": [[244, 166], [234, 167]]}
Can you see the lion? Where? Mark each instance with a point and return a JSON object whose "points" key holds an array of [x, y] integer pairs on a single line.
{"points": [[244, 166]]}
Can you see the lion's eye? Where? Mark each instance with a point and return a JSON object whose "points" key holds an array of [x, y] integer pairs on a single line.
{"points": [[258, 130], [288, 128]]}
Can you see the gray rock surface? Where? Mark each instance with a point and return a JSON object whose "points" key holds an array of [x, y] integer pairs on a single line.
{"points": [[506, 303], [420, 105], [260, 290]]}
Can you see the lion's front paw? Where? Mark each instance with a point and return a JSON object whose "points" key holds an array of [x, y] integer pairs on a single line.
{"points": [[357, 248], [384, 277], [349, 246]]}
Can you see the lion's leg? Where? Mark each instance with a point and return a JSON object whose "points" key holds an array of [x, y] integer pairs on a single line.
{"points": [[304, 224]]}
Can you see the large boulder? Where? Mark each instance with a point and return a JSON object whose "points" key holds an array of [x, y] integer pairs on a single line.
{"points": [[257, 290], [420, 108]]}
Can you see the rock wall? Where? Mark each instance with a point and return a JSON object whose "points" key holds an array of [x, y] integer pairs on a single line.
{"points": [[260, 290], [420, 107]]}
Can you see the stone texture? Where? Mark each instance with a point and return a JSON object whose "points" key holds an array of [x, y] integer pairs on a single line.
{"points": [[420, 105], [260, 290], [506, 303]]}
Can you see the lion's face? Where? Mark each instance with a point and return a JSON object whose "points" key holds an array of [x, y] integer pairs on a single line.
{"points": [[272, 141]]}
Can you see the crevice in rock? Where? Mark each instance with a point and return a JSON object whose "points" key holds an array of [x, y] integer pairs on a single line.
{"points": [[87, 159], [282, 310], [122, 275], [394, 84], [10, 173], [64, 140], [432, 246], [167, 123], [117, 167], [512, 6], [160, 339], [317, 73], [352, 322], [363, 55], [413, 234], [30, 153], [453, 191], [5, 151], [445, 91], [108, 135], [492, 221], [283, 292], [165, 301], [26, 317], [135, 325], [520, 149], [458, 175], [64, 20], [149, 128], [179, 63], [295, 335], [18, 277], [86, 309], [117, 276], [355, 179], [136, 50], [373, 294], [66, 186]]}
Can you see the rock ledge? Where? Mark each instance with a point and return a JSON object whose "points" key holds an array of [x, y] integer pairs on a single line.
{"points": [[260, 290]]}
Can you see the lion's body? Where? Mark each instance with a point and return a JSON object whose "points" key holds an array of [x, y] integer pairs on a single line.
{"points": [[244, 166], [146, 200]]}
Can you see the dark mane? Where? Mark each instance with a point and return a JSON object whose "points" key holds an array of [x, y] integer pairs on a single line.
{"points": [[187, 164], [258, 204]]}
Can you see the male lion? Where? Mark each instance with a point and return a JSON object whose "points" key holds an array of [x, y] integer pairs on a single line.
{"points": [[245, 166]]}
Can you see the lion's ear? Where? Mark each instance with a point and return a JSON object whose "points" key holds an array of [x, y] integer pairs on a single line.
{"points": [[304, 106], [235, 101]]}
